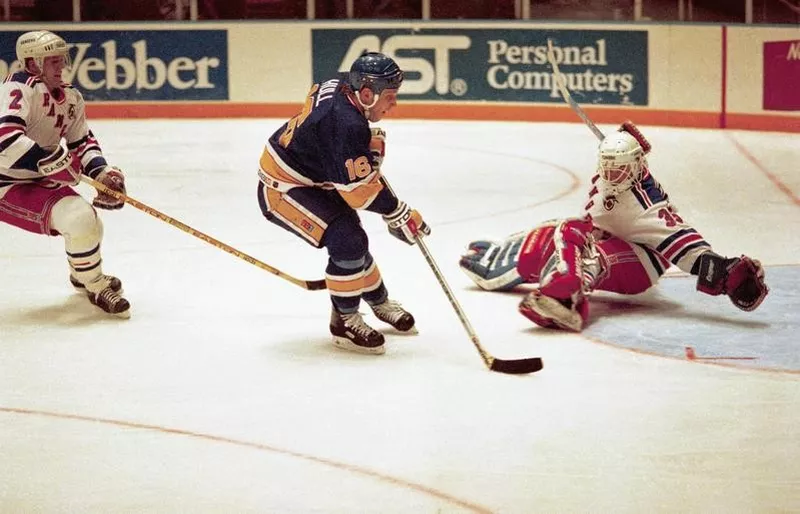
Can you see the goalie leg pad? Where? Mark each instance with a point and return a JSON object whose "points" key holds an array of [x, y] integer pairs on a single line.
{"points": [[493, 266], [550, 312], [562, 276]]}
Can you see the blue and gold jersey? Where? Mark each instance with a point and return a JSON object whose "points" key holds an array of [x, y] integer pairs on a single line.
{"points": [[326, 145]]}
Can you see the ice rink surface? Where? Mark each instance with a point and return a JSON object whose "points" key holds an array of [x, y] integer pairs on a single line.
{"points": [[223, 394]]}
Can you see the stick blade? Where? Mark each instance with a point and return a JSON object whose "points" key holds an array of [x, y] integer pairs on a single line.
{"points": [[315, 285], [517, 366]]}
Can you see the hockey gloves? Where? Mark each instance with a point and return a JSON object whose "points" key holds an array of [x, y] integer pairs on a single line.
{"points": [[112, 178], [493, 266], [61, 167], [406, 224], [741, 278]]}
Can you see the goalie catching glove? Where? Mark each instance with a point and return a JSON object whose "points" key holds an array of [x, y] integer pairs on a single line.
{"points": [[406, 224], [741, 278], [113, 179]]}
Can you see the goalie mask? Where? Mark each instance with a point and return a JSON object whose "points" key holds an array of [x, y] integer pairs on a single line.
{"points": [[620, 162], [39, 44]]}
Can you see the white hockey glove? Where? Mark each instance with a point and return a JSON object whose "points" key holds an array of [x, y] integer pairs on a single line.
{"points": [[377, 146], [112, 178], [61, 166], [406, 224], [493, 266]]}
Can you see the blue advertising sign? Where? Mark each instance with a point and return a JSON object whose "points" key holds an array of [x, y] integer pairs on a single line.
{"points": [[140, 65], [509, 65]]}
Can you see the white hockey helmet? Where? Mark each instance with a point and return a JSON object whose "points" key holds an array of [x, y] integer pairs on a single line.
{"points": [[39, 44], [619, 162]]}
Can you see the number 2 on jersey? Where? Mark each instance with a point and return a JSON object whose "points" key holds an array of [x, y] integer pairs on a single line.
{"points": [[16, 100]]}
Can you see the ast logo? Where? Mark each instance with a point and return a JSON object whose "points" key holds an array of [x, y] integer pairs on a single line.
{"points": [[602, 66], [432, 72]]}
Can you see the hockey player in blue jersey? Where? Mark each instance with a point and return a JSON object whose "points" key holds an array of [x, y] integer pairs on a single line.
{"points": [[323, 166]]}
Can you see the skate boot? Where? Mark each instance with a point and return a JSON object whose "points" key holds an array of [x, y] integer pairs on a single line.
{"points": [[111, 302], [106, 293], [350, 332], [392, 313], [109, 281]]}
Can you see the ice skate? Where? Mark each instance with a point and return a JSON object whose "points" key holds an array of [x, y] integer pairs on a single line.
{"points": [[105, 293], [350, 332], [392, 313], [111, 302], [108, 280]]}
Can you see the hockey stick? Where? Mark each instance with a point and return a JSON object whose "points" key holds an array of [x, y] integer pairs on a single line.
{"points": [[513, 366], [562, 86], [510, 366], [311, 285]]}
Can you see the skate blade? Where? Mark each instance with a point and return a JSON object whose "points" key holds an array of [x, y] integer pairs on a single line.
{"points": [[410, 332], [126, 314], [346, 344]]}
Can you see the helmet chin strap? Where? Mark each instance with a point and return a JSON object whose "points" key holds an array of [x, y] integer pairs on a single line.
{"points": [[366, 107]]}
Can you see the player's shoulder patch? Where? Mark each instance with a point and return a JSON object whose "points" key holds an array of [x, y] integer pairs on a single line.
{"points": [[23, 77]]}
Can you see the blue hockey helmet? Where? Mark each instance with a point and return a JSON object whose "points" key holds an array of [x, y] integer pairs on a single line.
{"points": [[375, 71]]}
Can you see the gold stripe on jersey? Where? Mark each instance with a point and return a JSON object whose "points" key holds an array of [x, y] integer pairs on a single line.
{"points": [[360, 195], [278, 175]]}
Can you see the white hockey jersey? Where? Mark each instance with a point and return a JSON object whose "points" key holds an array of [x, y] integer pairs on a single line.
{"points": [[644, 214], [33, 120]]}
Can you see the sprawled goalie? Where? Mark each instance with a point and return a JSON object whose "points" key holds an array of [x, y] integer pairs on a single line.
{"points": [[627, 237]]}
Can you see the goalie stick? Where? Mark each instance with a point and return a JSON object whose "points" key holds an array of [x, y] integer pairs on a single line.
{"points": [[562, 86], [510, 366], [311, 285]]}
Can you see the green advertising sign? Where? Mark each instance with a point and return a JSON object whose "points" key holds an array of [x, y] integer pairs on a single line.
{"points": [[508, 65]]}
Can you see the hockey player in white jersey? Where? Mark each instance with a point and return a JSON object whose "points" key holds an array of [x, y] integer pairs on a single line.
{"points": [[45, 146], [627, 237]]}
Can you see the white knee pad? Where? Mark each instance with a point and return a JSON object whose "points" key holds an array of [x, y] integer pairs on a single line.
{"points": [[76, 220]]}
